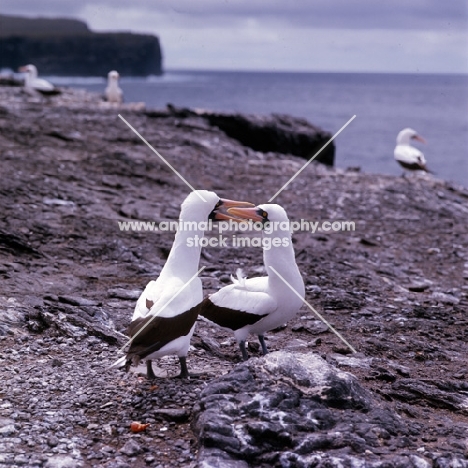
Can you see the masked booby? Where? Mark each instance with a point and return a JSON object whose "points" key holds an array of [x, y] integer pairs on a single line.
{"points": [[165, 314], [257, 305], [408, 156], [32, 83], [113, 92]]}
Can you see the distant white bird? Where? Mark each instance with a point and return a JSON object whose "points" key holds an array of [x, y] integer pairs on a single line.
{"points": [[257, 305], [408, 156], [32, 83], [113, 92], [165, 313]]}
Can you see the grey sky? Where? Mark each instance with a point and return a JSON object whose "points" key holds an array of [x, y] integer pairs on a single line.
{"points": [[322, 35]]}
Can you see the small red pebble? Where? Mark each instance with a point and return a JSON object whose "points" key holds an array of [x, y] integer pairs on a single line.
{"points": [[138, 427]]}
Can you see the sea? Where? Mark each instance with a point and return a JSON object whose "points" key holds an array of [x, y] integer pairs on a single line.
{"points": [[435, 105]]}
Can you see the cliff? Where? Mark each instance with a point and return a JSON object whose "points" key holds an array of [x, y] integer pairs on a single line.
{"points": [[68, 48]]}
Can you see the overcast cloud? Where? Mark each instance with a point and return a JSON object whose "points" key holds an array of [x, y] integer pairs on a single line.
{"points": [[322, 35]]}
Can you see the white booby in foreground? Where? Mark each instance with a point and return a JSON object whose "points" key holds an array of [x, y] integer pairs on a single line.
{"points": [[171, 327], [113, 92], [257, 305], [408, 156], [32, 83]]}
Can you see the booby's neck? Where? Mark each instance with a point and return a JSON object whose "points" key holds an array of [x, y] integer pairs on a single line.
{"points": [[405, 143], [113, 83], [30, 77], [184, 257], [282, 259]]}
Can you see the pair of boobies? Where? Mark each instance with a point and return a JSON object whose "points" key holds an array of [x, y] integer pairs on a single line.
{"points": [[165, 314], [33, 84]]}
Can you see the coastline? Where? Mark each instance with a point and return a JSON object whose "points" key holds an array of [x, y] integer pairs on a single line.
{"points": [[397, 287], [384, 104]]}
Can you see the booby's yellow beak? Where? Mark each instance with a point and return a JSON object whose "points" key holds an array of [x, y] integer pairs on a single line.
{"points": [[227, 204], [255, 213]]}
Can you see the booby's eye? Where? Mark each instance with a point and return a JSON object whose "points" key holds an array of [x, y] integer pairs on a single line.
{"points": [[218, 204], [263, 214]]}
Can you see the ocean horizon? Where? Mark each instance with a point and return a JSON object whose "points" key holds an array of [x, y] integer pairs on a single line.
{"points": [[384, 103]]}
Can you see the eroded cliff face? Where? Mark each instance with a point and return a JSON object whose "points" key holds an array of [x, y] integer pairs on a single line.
{"points": [[69, 48]]}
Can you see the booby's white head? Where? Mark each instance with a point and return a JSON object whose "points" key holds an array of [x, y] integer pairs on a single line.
{"points": [[199, 205], [274, 212], [408, 134], [202, 205], [31, 70], [113, 76]]}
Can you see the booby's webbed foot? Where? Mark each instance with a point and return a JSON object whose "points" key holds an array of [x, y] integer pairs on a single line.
{"points": [[149, 371], [261, 338], [245, 356]]}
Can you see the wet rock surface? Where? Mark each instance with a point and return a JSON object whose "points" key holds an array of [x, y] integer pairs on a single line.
{"points": [[396, 287]]}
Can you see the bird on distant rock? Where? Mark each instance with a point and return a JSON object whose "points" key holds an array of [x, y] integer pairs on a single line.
{"points": [[165, 314], [113, 92], [257, 305], [408, 156], [33, 84]]}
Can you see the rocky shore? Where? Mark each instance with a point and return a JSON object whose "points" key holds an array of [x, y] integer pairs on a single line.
{"points": [[396, 287]]}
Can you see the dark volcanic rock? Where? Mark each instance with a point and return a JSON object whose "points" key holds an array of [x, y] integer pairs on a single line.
{"points": [[170, 414], [451, 395], [76, 325], [15, 244], [276, 133], [287, 409], [267, 133]]}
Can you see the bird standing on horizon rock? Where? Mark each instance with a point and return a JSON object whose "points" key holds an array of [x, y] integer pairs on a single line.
{"points": [[408, 156], [165, 314], [113, 92], [257, 305], [32, 83]]}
